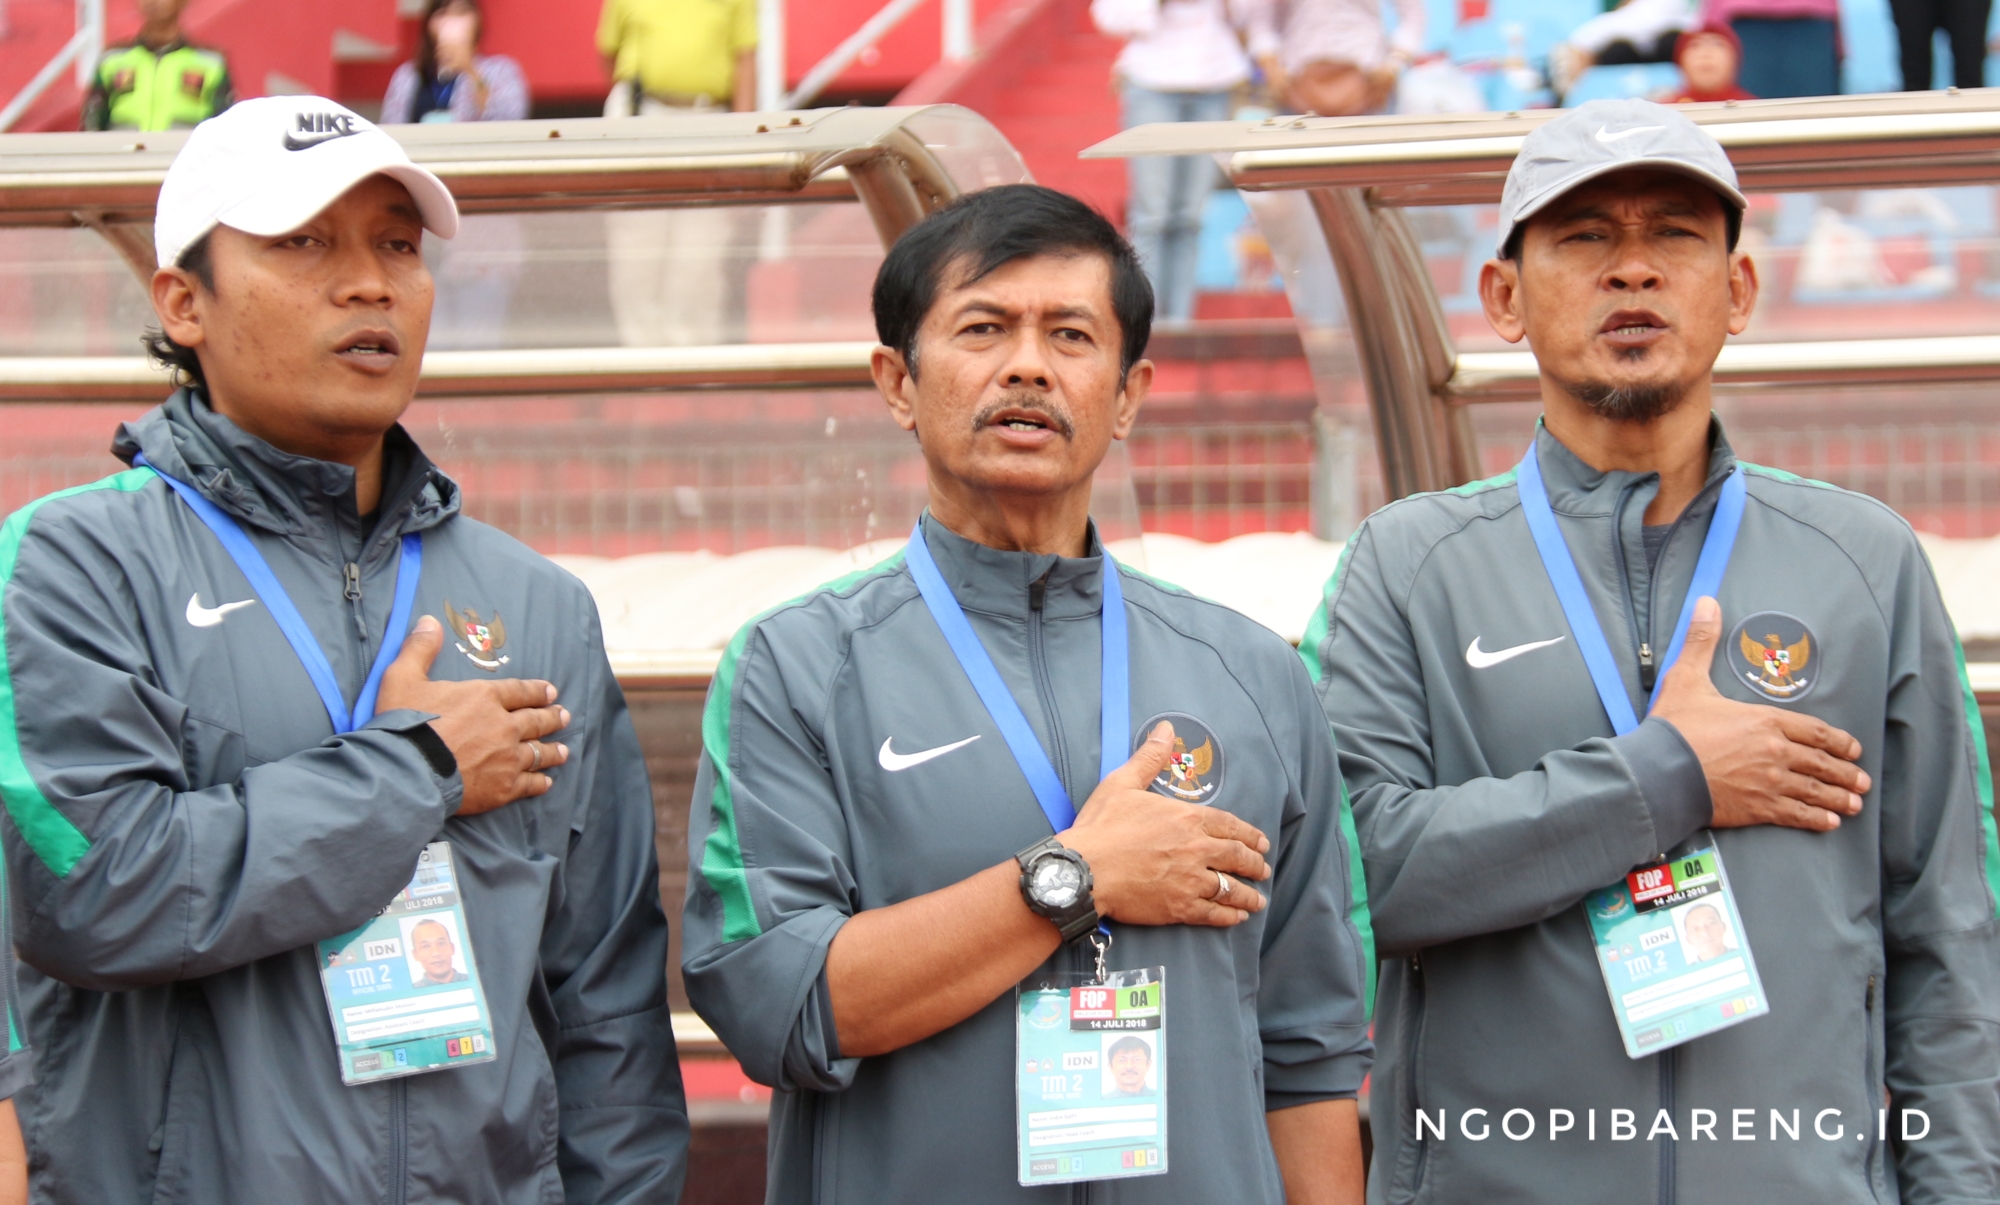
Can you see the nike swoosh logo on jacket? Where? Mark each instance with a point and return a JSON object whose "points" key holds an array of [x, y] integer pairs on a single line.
{"points": [[1492, 997], [893, 761], [190, 828], [1479, 658], [208, 617]]}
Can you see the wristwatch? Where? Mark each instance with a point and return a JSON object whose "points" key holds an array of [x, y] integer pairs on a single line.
{"points": [[1056, 883]]}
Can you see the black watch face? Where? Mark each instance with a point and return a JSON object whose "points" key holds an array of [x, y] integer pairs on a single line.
{"points": [[1056, 882]]}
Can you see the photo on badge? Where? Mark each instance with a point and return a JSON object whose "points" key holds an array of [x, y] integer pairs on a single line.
{"points": [[433, 944], [1705, 932], [1131, 1065]]}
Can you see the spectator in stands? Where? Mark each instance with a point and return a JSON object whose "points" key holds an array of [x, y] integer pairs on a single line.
{"points": [[679, 54], [450, 80], [1708, 58], [1637, 31], [668, 268], [1964, 24], [1790, 47], [158, 80], [1336, 58], [1184, 60]]}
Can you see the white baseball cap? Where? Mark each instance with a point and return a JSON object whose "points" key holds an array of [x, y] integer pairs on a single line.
{"points": [[266, 166]]}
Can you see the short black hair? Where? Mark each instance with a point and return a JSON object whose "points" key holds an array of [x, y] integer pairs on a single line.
{"points": [[1730, 214], [160, 347], [1130, 1042], [985, 231]]}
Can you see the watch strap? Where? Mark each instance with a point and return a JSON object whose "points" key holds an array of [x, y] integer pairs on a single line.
{"points": [[1080, 925]]}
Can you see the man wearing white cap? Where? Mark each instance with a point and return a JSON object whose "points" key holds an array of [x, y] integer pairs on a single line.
{"points": [[240, 771], [1634, 690]]}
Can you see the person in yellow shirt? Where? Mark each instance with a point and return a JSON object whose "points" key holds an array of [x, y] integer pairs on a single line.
{"points": [[689, 54], [669, 270]]}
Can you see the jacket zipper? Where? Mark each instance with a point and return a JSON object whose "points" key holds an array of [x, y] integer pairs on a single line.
{"points": [[399, 1142], [1079, 956], [1653, 590], [1647, 671], [351, 588], [1640, 633], [1412, 1041], [1038, 594], [1874, 1091], [1670, 1148]]}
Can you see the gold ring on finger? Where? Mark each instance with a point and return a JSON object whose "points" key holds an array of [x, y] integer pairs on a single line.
{"points": [[537, 751], [1222, 885]]}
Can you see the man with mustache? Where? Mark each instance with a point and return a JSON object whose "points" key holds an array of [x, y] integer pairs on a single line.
{"points": [[1486, 656], [883, 839], [1130, 1060], [231, 729]]}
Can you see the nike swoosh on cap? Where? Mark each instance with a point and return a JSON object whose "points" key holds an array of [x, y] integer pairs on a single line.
{"points": [[893, 761], [293, 143], [1603, 135], [1479, 658], [208, 617]]}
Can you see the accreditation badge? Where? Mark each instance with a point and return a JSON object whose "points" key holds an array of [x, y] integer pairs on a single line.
{"points": [[1091, 1067], [1672, 948], [403, 990]]}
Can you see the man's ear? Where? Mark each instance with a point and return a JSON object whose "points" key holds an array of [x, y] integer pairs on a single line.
{"points": [[1138, 383], [177, 299], [1500, 297], [896, 383], [1742, 291]]}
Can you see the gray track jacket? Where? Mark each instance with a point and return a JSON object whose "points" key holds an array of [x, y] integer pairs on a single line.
{"points": [[183, 826], [797, 825], [1492, 798]]}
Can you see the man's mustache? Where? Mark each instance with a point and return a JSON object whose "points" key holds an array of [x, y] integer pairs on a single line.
{"points": [[1054, 416]]}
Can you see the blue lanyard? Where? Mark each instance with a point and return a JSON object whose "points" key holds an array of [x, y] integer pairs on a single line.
{"points": [[272, 594], [1583, 625], [1115, 709]]}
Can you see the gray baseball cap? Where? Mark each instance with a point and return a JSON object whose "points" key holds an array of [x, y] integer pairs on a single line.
{"points": [[1604, 136]]}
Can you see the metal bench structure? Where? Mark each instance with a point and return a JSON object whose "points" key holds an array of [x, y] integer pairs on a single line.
{"points": [[1362, 173], [898, 164]]}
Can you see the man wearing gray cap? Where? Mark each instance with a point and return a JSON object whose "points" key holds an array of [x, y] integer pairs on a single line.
{"points": [[1673, 801], [249, 777]]}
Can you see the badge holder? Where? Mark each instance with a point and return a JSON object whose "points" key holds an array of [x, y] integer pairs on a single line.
{"points": [[1091, 1060], [1672, 948], [403, 990]]}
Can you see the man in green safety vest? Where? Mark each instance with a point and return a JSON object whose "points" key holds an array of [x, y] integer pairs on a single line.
{"points": [[158, 81]]}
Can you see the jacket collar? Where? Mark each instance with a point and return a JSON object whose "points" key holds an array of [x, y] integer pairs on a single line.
{"points": [[261, 486], [994, 582], [1580, 491]]}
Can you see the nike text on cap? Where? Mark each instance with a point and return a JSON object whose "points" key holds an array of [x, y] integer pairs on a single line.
{"points": [[267, 166], [1604, 136]]}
